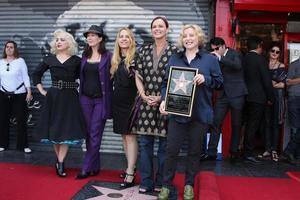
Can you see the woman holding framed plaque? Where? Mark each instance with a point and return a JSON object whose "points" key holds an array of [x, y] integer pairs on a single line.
{"points": [[152, 60], [192, 128]]}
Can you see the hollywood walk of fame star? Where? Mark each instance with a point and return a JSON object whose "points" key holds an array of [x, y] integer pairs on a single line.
{"points": [[181, 83], [131, 193]]}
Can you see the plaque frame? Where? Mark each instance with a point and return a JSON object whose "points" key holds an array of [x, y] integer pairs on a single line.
{"points": [[177, 97]]}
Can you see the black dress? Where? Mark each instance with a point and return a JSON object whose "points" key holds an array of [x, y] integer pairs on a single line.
{"points": [[278, 75], [124, 94], [61, 120]]}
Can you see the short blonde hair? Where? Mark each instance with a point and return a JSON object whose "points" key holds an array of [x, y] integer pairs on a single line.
{"points": [[73, 46], [116, 58], [199, 32]]}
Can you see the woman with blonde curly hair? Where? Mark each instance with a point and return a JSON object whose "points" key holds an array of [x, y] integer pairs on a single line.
{"points": [[191, 128], [61, 121], [125, 91]]}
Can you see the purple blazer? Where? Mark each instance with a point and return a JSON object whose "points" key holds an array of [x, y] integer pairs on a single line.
{"points": [[106, 84]]}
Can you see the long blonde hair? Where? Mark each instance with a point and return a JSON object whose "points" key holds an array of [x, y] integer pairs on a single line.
{"points": [[116, 58]]}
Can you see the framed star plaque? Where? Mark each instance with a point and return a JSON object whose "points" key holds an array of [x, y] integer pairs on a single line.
{"points": [[180, 91]]}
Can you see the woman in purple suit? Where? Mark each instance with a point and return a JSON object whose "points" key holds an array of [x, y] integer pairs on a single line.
{"points": [[95, 96]]}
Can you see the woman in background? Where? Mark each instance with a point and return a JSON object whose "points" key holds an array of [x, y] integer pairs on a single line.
{"points": [[61, 121], [95, 96], [14, 93], [125, 92], [275, 113]]}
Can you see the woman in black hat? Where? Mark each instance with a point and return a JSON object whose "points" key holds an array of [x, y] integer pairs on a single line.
{"points": [[95, 96]]}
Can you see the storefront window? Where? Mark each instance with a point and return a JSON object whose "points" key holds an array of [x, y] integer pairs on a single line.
{"points": [[268, 32]]}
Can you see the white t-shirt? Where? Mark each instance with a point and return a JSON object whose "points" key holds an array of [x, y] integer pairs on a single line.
{"points": [[16, 75]]}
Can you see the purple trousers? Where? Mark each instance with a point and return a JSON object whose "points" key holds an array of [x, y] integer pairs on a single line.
{"points": [[92, 110]]}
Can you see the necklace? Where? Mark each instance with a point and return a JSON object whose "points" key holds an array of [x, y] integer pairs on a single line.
{"points": [[272, 66]]}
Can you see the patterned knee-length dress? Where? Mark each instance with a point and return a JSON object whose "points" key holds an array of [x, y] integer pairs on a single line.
{"points": [[151, 70]]}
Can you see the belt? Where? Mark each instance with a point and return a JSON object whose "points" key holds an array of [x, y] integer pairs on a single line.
{"points": [[64, 85]]}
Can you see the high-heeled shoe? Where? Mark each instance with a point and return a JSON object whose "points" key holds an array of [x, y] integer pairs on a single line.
{"points": [[60, 169], [127, 184], [95, 172], [82, 175], [123, 174]]}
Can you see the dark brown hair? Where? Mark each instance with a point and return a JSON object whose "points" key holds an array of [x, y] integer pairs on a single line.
{"points": [[162, 18], [275, 44], [16, 52], [101, 49]]}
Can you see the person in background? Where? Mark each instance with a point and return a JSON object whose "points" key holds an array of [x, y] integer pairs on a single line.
{"points": [[260, 93], [14, 93], [231, 97], [61, 121], [209, 77], [95, 96], [152, 61], [124, 94], [274, 113], [293, 83]]}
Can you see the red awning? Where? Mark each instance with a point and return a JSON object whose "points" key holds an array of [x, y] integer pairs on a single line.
{"points": [[268, 5]]}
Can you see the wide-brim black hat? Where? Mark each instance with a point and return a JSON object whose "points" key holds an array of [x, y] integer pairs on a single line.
{"points": [[95, 29]]}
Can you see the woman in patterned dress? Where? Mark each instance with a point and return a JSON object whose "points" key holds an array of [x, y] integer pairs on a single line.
{"points": [[152, 60]]}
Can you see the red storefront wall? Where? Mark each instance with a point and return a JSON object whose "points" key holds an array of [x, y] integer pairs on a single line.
{"points": [[227, 11]]}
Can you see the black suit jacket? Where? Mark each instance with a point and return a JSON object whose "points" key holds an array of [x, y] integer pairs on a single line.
{"points": [[233, 74], [258, 79]]}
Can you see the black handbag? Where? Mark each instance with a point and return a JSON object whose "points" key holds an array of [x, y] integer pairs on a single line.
{"points": [[134, 113], [280, 76]]}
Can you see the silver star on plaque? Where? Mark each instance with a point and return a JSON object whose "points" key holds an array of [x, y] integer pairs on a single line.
{"points": [[180, 84]]}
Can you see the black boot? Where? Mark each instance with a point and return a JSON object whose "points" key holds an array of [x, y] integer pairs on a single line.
{"points": [[60, 169], [83, 175]]}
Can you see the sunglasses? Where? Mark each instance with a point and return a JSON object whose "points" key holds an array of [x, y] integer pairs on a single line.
{"points": [[215, 49], [274, 51], [7, 67]]}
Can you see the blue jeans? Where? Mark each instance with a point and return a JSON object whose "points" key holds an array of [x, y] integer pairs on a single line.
{"points": [[148, 180], [294, 119]]}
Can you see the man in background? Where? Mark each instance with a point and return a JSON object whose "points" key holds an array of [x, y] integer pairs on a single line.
{"points": [[293, 83], [230, 98], [260, 93]]}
